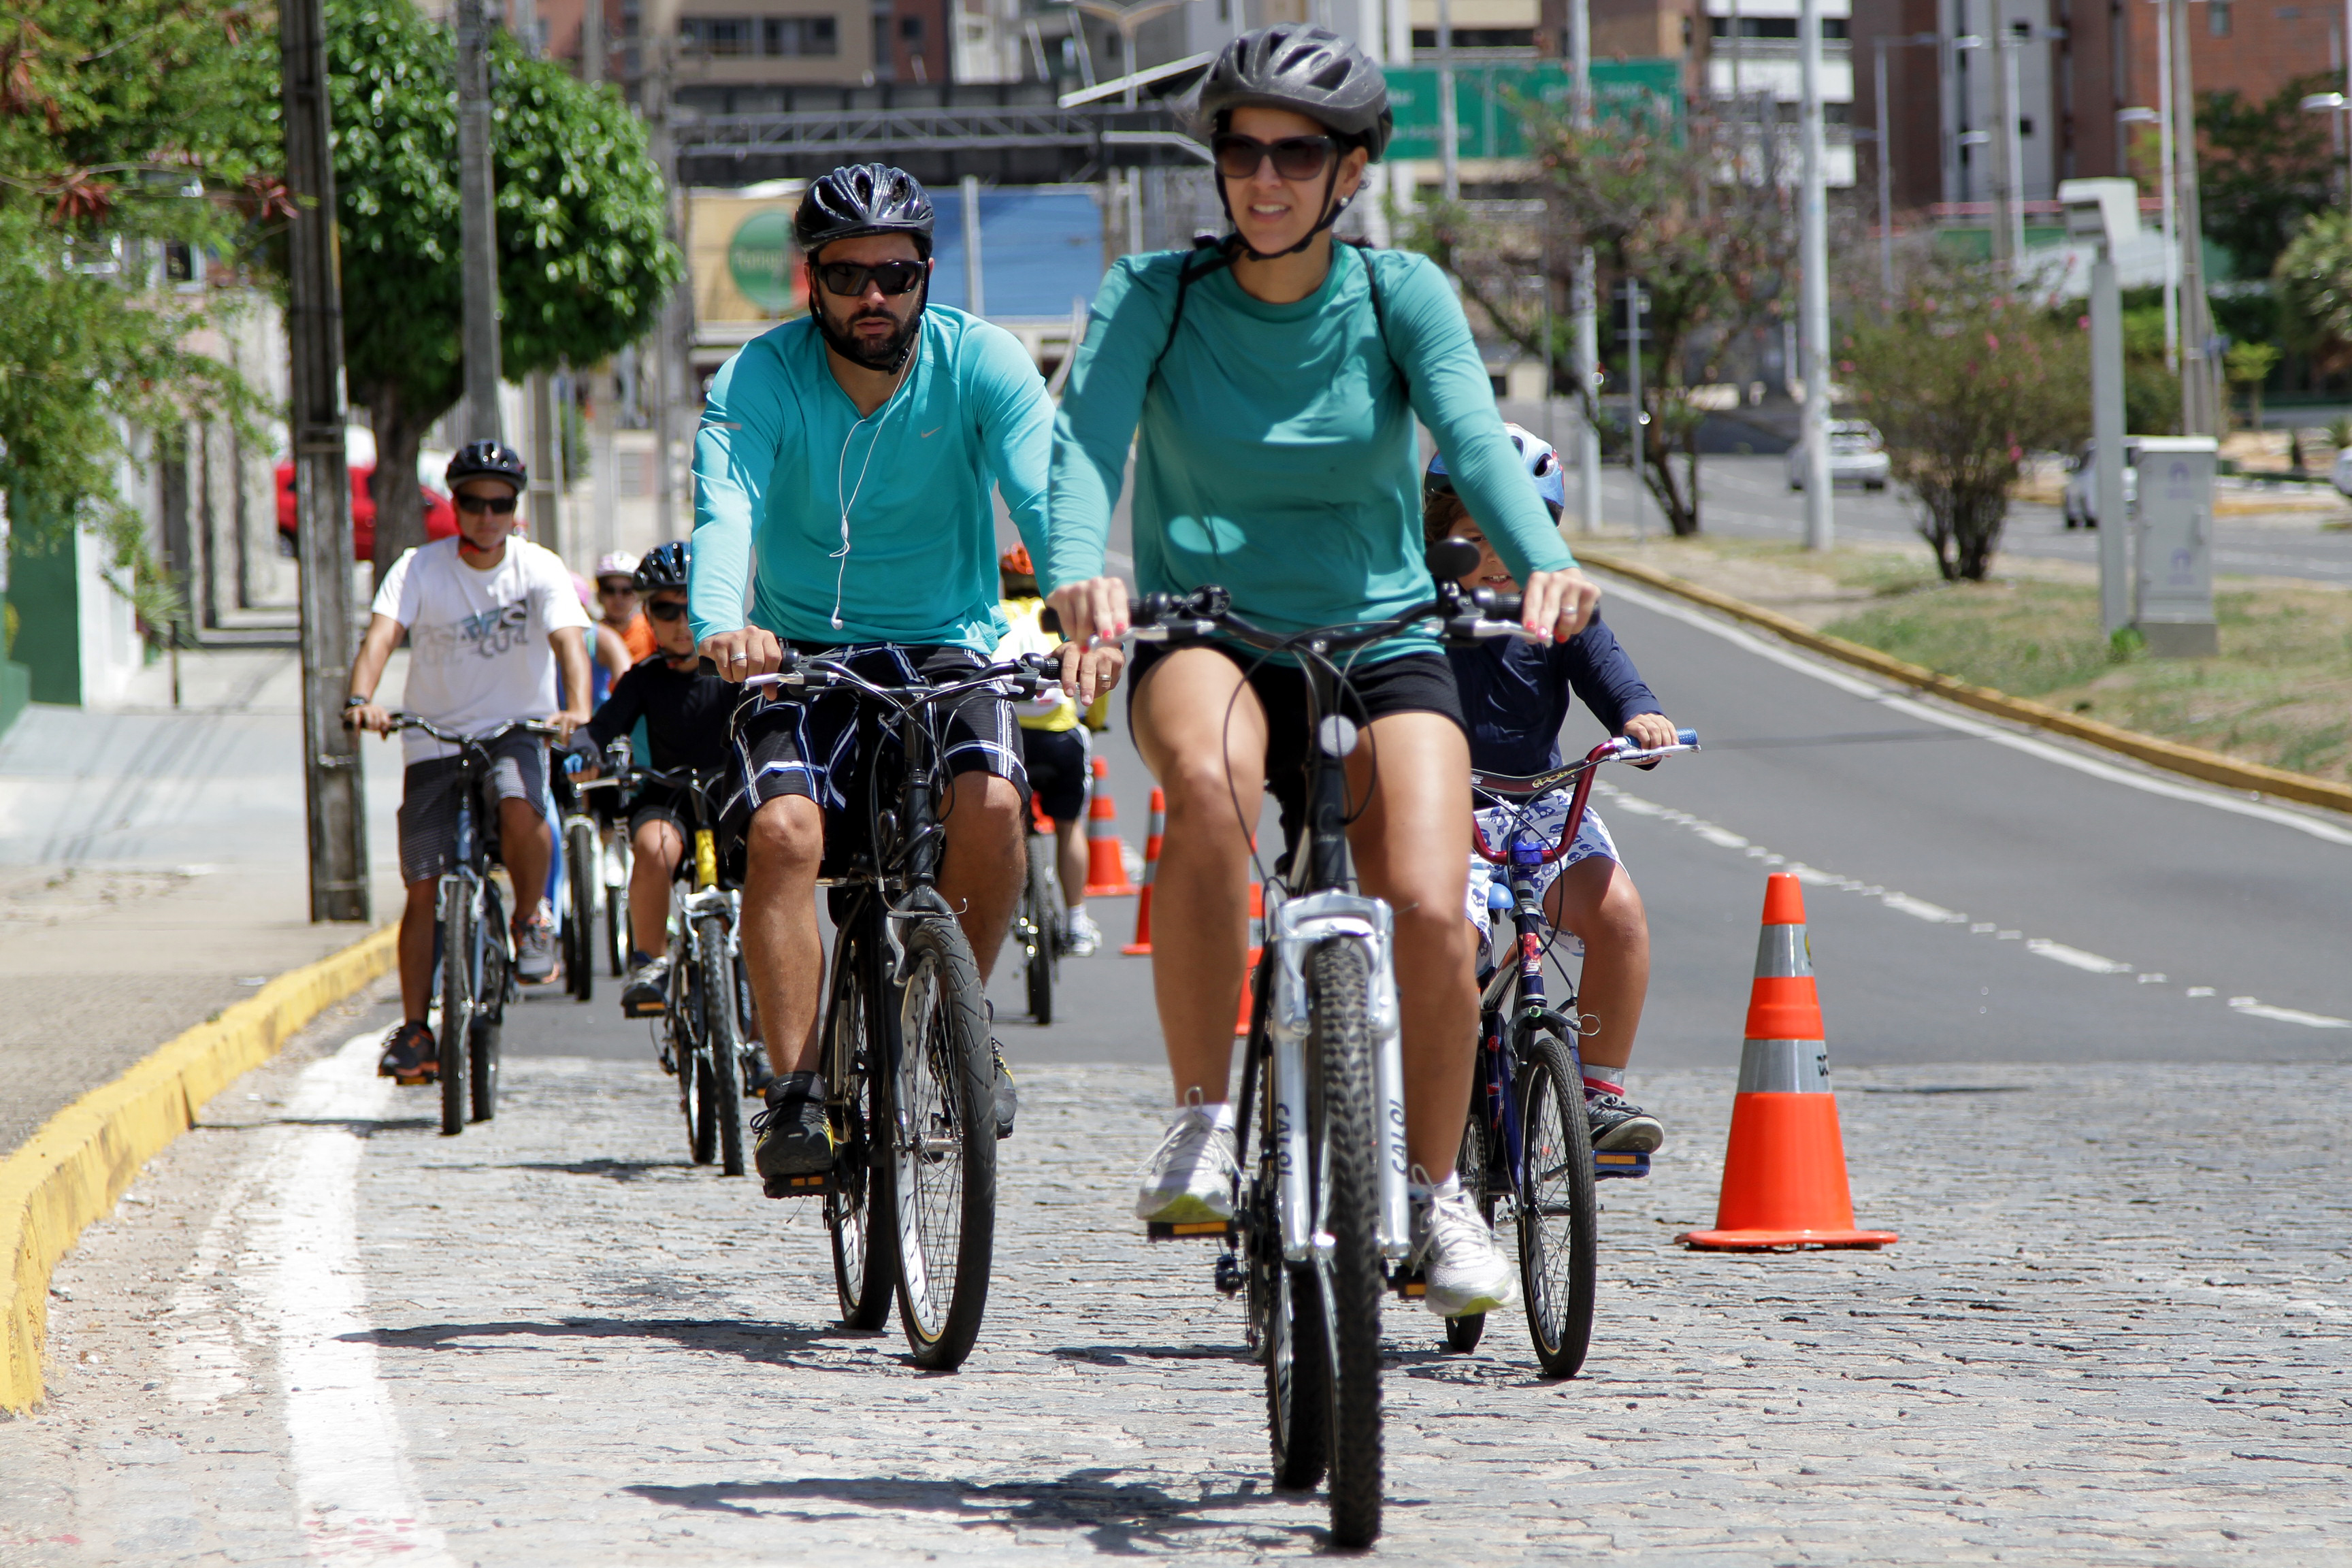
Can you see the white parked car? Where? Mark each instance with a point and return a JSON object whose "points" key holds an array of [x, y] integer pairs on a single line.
{"points": [[2339, 473], [2081, 503], [1857, 457]]}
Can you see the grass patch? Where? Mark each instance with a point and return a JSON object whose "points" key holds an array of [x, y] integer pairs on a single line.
{"points": [[2280, 693]]}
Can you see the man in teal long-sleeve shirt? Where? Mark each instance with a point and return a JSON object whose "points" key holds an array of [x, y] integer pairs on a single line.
{"points": [[842, 476]]}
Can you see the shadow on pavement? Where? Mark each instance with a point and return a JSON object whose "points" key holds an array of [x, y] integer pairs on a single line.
{"points": [[1120, 1518], [1119, 1355], [767, 1344]]}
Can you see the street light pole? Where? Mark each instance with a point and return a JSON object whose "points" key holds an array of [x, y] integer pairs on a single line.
{"points": [[334, 792], [1885, 134], [1813, 304], [1449, 154], [2171, 188], [2200, 413]]}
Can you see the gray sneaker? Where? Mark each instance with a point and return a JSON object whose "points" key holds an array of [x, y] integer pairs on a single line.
{"points": [[535, 947], [646, 996], [1620, 1126]]}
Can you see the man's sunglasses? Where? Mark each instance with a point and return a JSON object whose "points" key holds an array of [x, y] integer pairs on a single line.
{"points": [[502, 505], [1294, 157], [848, 279], [667, 609]]}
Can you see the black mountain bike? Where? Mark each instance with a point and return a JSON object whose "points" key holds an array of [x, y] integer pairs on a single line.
{"points": [[473, 951], [910, 1076], [1039, 924], [1526, 1152], [1321, 1226], [591, 901]]}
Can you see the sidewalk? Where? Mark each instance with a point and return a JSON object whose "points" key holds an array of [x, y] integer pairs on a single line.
{"points": [[153, 869]]}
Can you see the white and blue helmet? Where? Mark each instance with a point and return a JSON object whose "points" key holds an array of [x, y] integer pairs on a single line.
{"points": [[1535, 453]]}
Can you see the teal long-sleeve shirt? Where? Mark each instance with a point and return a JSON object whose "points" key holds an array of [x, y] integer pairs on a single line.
{"points": [[1275, 453], [783, 456]]}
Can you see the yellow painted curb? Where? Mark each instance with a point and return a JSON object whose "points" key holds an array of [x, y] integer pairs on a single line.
{"points": [[72, 1170], [2209, 766]]}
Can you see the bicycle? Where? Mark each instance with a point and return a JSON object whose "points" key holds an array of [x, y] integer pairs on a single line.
{"points": [[1038, 925], [705, 1046], [472, 944], [1526, 1147], [910, 1202], [589, 894], [1321, 1227]]}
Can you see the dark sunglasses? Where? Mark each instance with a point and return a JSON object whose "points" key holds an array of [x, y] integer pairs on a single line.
{"points": [[1294, 157], [616, 587], [502, 505], [848, 279], [667, 609]]}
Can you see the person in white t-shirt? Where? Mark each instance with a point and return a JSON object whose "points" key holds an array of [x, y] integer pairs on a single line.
{"points": [[489, 618]]}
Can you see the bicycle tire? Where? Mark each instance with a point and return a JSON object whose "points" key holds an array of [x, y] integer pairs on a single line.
{"points": [[580, 868], [616, 926], [1338, 978], [1559, 1219], [1038, 907], [943, 1146], [1463, 1333], [722, 1040], [857, 1212], [482, 1038], [695, 1091], [457, 1001]]}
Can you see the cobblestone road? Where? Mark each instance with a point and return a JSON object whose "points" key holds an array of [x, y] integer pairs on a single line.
{"points": [[2117, 1329]]}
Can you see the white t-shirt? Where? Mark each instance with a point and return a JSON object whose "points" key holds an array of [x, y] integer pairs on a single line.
{"points": [[478, 655]]}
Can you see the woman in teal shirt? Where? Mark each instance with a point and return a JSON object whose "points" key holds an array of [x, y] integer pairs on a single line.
{"points": [[1271, 388]]}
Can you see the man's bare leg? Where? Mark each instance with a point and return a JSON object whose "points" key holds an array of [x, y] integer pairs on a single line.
{"points": [[784, 951]]}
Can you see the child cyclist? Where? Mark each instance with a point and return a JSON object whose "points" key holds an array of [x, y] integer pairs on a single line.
{"points": [[1055, 746], [1515, 696]]}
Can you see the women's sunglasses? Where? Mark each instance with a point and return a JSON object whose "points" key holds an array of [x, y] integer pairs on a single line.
{"points": [[848, 279], [501, 505], [667, 609], [1240, 157]]}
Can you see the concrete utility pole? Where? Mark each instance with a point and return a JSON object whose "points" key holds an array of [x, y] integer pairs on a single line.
{"points": [[592, 42], [333, 789], [1584, 318], [477, 225], [1637, 421], [1449, 135], [604, 387], [2200, 412], [660, 41], [2168, 174], [2004, 127], [1813, 261]]}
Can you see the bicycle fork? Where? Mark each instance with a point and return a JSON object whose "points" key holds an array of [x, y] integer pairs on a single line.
{"points": [[1296, 927]]}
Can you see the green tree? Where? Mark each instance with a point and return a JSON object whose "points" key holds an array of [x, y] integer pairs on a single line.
{"points": [[1642, 194], [126, 127], [1964, 379], [584, 261], [2265, 167]]}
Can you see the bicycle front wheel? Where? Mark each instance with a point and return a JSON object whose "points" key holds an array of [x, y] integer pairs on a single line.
{"points": [[617, 913], [688, 1049], [1040, 913], [858, 1211], [721, 1039], [1346, 1124], [456, 1000], [580, 868], [1559, 1221], [943, 1153]]}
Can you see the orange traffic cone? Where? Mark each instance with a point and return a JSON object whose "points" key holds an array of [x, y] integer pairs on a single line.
{"points": [[1106, 857], [1784, 1174], [1142, 946], [1257, 947]]}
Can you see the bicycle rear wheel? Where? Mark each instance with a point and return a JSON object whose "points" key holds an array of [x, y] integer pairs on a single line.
{"points": [[456, 1000], [1346, 1124], [1559, 1223], [489, 1006], [691, 1052], [858, 1211], [580, 870], [1463, 1332], [722, 1040], [943, 1130], [1040, 915]]}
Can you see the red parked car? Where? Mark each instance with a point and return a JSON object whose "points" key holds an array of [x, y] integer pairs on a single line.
{"points": [[440, 516]]}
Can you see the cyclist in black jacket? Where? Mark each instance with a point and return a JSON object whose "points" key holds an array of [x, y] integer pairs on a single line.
{"points": [[1515, 697], [683, 715]]}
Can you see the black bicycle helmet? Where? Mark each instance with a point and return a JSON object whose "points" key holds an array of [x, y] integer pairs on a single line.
{"points": [[1311, 70], [486, 460], [869, 198], [664, 566]]}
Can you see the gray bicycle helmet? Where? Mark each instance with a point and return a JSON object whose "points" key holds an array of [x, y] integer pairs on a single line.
{"points": [[664, 566], [867, 198], [1310, 71]]}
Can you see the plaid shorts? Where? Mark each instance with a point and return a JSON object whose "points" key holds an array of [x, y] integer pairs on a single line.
{"points": [[1544, 817], [429, 795]]}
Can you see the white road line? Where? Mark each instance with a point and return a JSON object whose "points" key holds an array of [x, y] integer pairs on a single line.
{"points": [[206, 1362], [2074, 957], [1920, 908], [1806, 664], [2255, 1009], [353, 1495]]}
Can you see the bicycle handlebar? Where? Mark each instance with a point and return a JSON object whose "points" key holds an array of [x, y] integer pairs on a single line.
{"points": [[449, 736], [1027, 676], [1618, 749]]}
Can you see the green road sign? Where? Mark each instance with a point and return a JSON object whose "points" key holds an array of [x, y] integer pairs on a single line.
{"points": [[1489, 98]]}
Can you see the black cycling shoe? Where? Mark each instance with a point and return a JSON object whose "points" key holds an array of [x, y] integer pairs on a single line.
{"points": [[409, 1057], [1618, 1124], [795, 1133], [646, 996]]}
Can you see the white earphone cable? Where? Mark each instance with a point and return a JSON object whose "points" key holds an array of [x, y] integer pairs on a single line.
{"points": [[840, 468]]}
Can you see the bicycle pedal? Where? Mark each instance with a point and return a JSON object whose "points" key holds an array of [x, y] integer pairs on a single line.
{"points": [[1413, 1284], [1186, 1230], [638, 1010], [1624, 1163], [1229, 1274], [811, 1185]]}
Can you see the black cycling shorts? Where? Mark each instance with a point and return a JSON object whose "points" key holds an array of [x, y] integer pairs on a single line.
{"points": [[1057, 761], [1413, 683]]}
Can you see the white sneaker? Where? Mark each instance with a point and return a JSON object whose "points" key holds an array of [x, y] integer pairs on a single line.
{"points": [[1082, 938], [1465, 1271], [1190, 1179]]}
